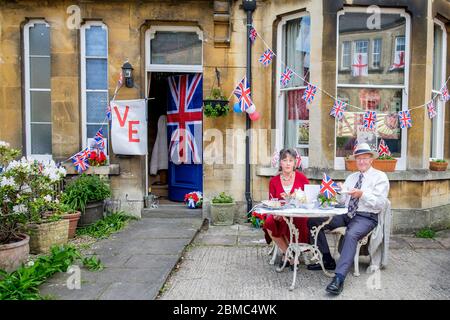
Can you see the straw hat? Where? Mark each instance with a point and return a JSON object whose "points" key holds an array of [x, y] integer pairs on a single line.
{"points": [[363, 148]]}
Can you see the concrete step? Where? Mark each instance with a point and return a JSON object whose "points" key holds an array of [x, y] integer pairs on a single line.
{"points": [[171, 211], [160, 190]]}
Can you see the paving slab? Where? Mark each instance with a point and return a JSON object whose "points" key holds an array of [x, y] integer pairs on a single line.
{"points": [[423, 243]]}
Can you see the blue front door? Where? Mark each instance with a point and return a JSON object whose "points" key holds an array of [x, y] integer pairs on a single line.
{"points": [[184, 132]]}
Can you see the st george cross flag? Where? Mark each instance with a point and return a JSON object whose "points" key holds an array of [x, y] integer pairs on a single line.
{"points": [[310, 93], [184, 119], [80, 164], [242, 92], [129, 127], [370, 118], [431, 108], [286, 76], [253, 34], [405, 119], [383, 149], [266, 57], [328, 187], [338, 109], [445, 94], [99, 139], [399, 61], [360, 66]]}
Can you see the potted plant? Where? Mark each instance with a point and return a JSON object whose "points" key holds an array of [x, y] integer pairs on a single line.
{"points": [[350, 165], [193, 199], [216, 104], [438, 165], [86, 194], [222, 209], [66, 212], [385, 163]]}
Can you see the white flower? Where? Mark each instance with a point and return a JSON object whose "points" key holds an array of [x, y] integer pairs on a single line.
{"points": [[30, 264], [7, 182], [26, 188], [56, 201], [4, 144], [48, 198], [19, 209]]}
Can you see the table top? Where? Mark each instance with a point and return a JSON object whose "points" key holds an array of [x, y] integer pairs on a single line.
{"points": [[303, 212]]}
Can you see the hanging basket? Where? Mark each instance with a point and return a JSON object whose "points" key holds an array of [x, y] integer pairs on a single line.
{"points": [[214, 108], [222, 103]]}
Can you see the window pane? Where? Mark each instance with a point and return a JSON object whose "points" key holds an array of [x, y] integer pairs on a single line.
{"points": [[297, 122], [96, 74], [96, 41], [297, 49], [437, 59], [97, 103], [390, 68], [176, 48], [40, 106], [376, 56], [39, 40], [387, 102], [41, 138], [346, 54], [40, 73], [93, 128]]}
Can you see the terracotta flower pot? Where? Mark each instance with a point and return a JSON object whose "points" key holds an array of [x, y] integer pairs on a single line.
{"points": [[438, 166], [73, 222], [385, 165], [350, 165], [12, 255], [44, 235]]}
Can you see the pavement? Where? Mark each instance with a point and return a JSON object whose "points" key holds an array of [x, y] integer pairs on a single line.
{"points": [[137, 261], [232, 263]]}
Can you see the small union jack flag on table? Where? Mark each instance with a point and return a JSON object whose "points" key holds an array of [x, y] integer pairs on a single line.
{"points": [[328, 187], [266, 57], [431, 108], [370, 118], [405, 119], [445, 93], [383, 149], [242, 92], [310, 93], [338, 109], [253, 34], [286, 77]]}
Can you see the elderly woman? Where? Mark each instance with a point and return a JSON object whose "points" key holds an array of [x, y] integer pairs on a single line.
{"points": [[281, 186]]}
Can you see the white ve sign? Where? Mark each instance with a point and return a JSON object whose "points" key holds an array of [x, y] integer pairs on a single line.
{"points": [[129, 127]]}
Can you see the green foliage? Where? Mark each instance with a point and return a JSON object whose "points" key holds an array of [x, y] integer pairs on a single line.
{"points": [[439, 160], [222, 198], [426, 233], [84, 189], [23, 283], [385, 157], [216, 105], [105, 227], [324, 200], [93, 263]]}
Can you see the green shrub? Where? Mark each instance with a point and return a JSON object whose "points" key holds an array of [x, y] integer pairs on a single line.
{"points": [[105, 227], [426, 233], [85, 189], [222, 198]]}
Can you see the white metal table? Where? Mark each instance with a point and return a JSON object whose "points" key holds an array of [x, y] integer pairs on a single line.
{"points": [[296, 248]]}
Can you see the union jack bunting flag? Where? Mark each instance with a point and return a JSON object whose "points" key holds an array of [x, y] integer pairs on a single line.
{"points": [[370, 118], [338, 109], [431, 108], [120, 81], [100, 141], [328, 187], [80, 164], [253, 34], [108, 112], [184, 118], [286, 76], [445, 93], [310, 93], [405, 119], [383, 149], [266, 57], [242, 92]]}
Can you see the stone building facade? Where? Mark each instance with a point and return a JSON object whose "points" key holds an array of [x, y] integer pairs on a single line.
{"points": [[307, 35]]}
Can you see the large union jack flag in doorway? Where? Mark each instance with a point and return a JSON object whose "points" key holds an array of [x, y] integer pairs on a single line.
{"points": [[184, 119]]}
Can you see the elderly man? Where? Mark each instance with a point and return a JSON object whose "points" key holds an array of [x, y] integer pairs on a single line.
{"points": [[365, 193]]}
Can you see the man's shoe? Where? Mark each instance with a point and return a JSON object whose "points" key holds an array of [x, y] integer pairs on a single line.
{"points": [[329, 265], [335, 287]]}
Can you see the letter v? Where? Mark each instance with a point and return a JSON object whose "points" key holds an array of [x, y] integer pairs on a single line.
{"points": [[122, 120]]}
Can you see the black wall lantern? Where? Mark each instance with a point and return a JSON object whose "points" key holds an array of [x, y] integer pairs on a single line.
{"points": [[127, 71], [249, 5]]}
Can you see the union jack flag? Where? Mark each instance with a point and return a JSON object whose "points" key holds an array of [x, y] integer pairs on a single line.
{"points": [[108, 112], [310, 93], [431, 109], [328, 187], [383, 149], [338, 109], [405, 119], [242, 92], [80, 164], [253, 34], [286, 77], [100, 141], [445, 94], [120, 81], [266, 57], [370, 118], [184, 118]]}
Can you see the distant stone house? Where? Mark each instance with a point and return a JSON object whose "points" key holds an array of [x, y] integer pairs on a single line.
{"points": [[60, 61]]}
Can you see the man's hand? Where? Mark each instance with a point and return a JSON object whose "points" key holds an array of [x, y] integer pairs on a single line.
{"points": [[356, 193]]}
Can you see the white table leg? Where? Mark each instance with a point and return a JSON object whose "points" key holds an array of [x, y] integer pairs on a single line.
{"points": [[316, 252]]}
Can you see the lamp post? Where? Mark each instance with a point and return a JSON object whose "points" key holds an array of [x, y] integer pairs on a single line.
{"points": [[249, 6]]}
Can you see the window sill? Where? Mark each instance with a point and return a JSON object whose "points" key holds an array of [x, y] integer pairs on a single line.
{"points": [[110, 170], [407, 175]]}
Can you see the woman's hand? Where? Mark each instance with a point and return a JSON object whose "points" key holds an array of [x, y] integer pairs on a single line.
{"points": [[277, 217], [283, 195]]}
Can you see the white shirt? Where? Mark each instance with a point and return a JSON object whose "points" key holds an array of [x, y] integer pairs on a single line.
{"points": [[287, 189], [375, 188]]}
